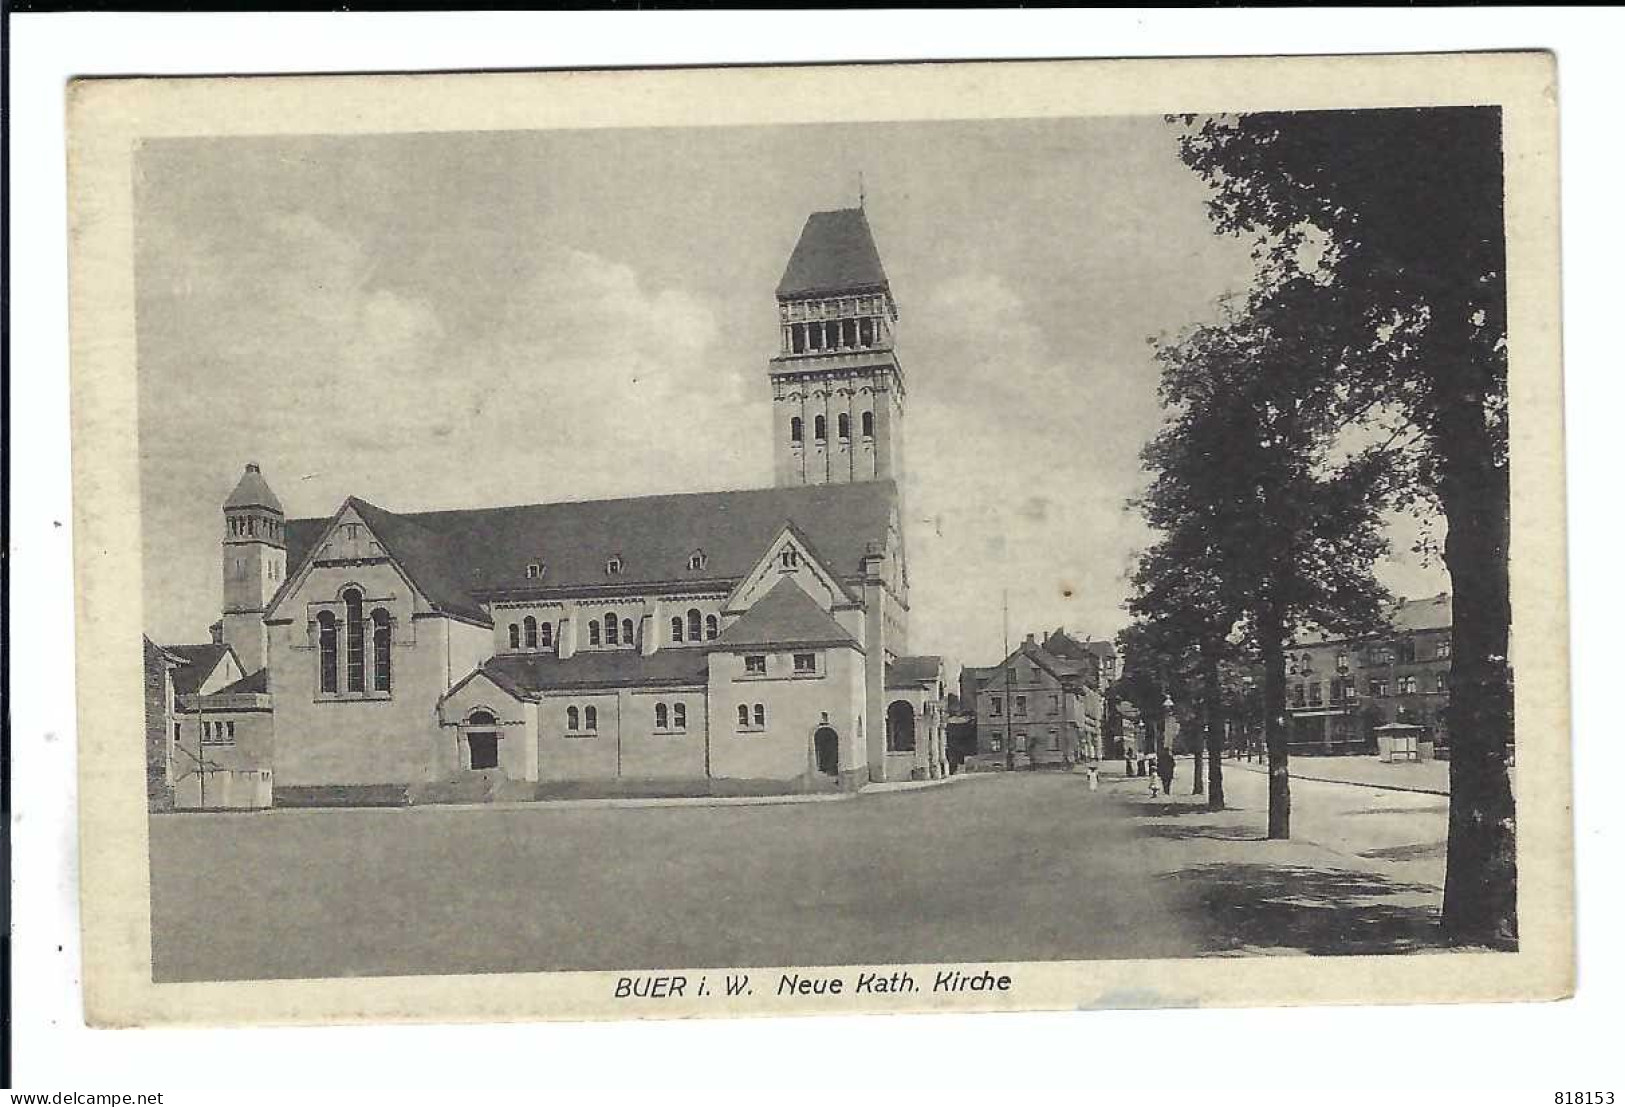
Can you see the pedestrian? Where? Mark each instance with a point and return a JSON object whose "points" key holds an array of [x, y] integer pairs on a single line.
{"points": [[1151, 780], [1165, 769], [1094, 777]]}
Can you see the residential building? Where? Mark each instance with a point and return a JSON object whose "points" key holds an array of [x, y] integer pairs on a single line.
{"points": [[1035, 708]]}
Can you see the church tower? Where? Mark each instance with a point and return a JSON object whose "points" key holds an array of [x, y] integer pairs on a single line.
{"points": [[253, 562], [837, 384]]}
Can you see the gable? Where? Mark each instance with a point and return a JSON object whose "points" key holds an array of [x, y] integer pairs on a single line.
{"points": [[362, 545], [789, 557], [785, 616], [479, 691]]}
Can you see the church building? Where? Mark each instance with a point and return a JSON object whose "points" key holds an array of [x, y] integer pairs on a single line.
{"points": [[751, 639]]}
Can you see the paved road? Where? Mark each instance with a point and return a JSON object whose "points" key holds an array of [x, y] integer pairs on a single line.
{"points": [[1027, 866]]}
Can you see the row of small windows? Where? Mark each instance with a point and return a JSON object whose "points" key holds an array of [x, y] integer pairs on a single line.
{"points": [[615, 566], [355, 647], [573, 719], [613, 631], [673, 718], [1019, 743], [843, 427], [752, 717], [832, 334], [803, 663], [1018, 705], [214, 734], [247, 526]]}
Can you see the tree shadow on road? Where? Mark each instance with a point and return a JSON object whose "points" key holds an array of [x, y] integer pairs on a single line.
{"points": [[1239, 906], [1187, 831], [1165, 808]]}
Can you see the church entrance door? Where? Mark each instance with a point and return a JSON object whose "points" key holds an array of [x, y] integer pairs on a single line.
{"points": [[482, 750], [827, 750]]}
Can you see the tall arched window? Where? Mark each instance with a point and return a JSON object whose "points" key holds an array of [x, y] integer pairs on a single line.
{"points": [[744, 715], [513, 636], [710, 626], [820, 428], [594, 635], [627, 634], [679, 716], [380, 651], [327, 637], [868, 424], [693, 624], [592, 718], [761, 716], [547, 636], [612, 629], [843, 425], [530, 632], [795, 428], [661, 722], [676, 628], [572, 718], [355, 643]]}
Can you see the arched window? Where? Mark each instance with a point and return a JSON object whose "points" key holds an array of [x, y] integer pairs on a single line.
{"points": [[843, 425], [679, 716], [676, 628], [380, 650], [693, 624], [594, 637], [592, 718], [327, 637], [627, 634], [355, 643], [547, 636], [820, 428], [572, 718], [612, 629], [744, 715], [482, 718], [868, 424], [530, 632], [660, 717], [761, 716], [795, 428], [513, 636], [710, 627]]}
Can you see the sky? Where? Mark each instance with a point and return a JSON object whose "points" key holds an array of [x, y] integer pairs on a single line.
{"points": [[453, 320]]}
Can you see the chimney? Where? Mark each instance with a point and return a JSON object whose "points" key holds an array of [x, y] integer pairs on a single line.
{"points": [[217, 631]]}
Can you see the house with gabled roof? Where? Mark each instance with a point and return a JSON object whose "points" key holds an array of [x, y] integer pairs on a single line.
{"points": [[1035, 708], [756, 636]]}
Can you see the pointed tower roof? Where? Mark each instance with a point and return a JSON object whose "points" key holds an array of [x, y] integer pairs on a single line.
{"points": [[836, 253], [252, 491]]}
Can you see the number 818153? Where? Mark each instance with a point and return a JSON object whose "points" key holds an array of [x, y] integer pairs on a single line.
{"points": [[1583, 1099]]}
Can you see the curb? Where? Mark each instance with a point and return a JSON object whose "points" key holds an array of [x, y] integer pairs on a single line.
{"points": [[1351, 783], [605, 802]]}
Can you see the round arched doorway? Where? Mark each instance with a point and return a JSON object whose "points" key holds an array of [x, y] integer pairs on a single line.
{"points": [[827, 750], [900, 727]]}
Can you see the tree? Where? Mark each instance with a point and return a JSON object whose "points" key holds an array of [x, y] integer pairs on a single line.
{"points": [[1387, 227], [1265, 523], [1180, 602]]}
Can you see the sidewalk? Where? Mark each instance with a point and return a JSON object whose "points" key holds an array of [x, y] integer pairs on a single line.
{"points": [[1432, 777], [1319, 892]]}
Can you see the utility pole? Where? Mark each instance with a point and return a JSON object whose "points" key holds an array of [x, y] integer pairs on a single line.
{"points": [[1009, 702]]}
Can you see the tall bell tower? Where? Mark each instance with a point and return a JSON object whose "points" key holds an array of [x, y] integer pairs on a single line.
{"points": [[837, 383], [253, 562]]}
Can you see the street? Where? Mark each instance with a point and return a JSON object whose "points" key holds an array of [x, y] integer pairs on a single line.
{"points": [[1025, 866]]}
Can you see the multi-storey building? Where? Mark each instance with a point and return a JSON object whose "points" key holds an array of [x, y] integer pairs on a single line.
{"points": [[1036, 707], [1338, 689]]}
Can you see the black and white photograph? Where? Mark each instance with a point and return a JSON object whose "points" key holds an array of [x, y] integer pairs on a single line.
{"points": [[850, 562]]}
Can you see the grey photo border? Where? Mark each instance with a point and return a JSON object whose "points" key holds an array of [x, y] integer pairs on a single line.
{"points": [[109, 117]]}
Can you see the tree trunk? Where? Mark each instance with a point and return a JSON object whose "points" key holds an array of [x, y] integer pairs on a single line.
{"points": [[1215, 732], [1481, 878], [1197, 783], [1273, 634]]}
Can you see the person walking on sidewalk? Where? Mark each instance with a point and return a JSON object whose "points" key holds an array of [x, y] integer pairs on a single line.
{"points": [[1094, 777], [1165, 769]]}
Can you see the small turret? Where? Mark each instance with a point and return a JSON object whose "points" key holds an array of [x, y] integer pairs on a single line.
{"points": [[253, 562]]}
